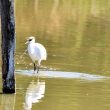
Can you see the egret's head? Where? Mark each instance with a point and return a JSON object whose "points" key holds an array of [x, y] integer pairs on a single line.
{"points": [[30, 40]]}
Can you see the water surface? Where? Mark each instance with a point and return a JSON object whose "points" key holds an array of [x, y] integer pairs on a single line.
{"points": [[58, 93], [74, 32], [76, 36]]}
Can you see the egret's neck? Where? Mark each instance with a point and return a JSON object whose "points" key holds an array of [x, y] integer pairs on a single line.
{"points": [[30, 46]]}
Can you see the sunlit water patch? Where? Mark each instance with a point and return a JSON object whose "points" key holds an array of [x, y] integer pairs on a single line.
{"points": [[61, 74]]}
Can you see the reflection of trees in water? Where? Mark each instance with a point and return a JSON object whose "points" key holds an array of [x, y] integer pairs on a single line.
{"points": [[79, 27], [8, 102], [54, 16], [58, 18], [36, 4], [35, 92]]}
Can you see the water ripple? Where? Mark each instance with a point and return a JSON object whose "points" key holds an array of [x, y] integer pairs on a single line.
{"points": [[61, 74]]}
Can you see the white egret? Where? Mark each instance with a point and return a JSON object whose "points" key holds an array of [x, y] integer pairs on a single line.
{"points": [[36, 51]]}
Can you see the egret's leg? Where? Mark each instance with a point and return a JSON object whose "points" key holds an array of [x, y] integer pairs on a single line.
{"points": [[38, 66], [34, 66], [37, 69]]}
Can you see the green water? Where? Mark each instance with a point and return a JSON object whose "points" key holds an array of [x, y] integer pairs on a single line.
{"points": [[59, 94], [76, 34]]}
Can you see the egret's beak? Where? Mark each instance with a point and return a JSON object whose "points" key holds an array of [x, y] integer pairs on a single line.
{"points": [[26, 42]]}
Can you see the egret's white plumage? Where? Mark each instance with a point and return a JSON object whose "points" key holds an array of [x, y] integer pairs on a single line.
{"points": [[36, 51]]}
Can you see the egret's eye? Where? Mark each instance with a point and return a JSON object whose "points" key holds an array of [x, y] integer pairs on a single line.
{"points": [[30, 39]]}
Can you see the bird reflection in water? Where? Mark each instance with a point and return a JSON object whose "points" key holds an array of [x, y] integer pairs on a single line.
{"points": [[34, 94]]}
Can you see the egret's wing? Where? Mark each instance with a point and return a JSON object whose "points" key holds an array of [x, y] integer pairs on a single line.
{"points": [[37, 51], [40, 51]]}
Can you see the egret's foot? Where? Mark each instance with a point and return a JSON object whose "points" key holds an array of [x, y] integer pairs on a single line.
{"points": [[36, 74], [38, 67]]}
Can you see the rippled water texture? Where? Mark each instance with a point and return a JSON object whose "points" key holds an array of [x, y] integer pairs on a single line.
{"points": [[80, 92], [76, 34]]}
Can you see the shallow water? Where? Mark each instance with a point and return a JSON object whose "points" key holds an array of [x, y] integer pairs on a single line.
{"points": [[76, 36], [51, 93], [61, 74], [74, 32]]}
